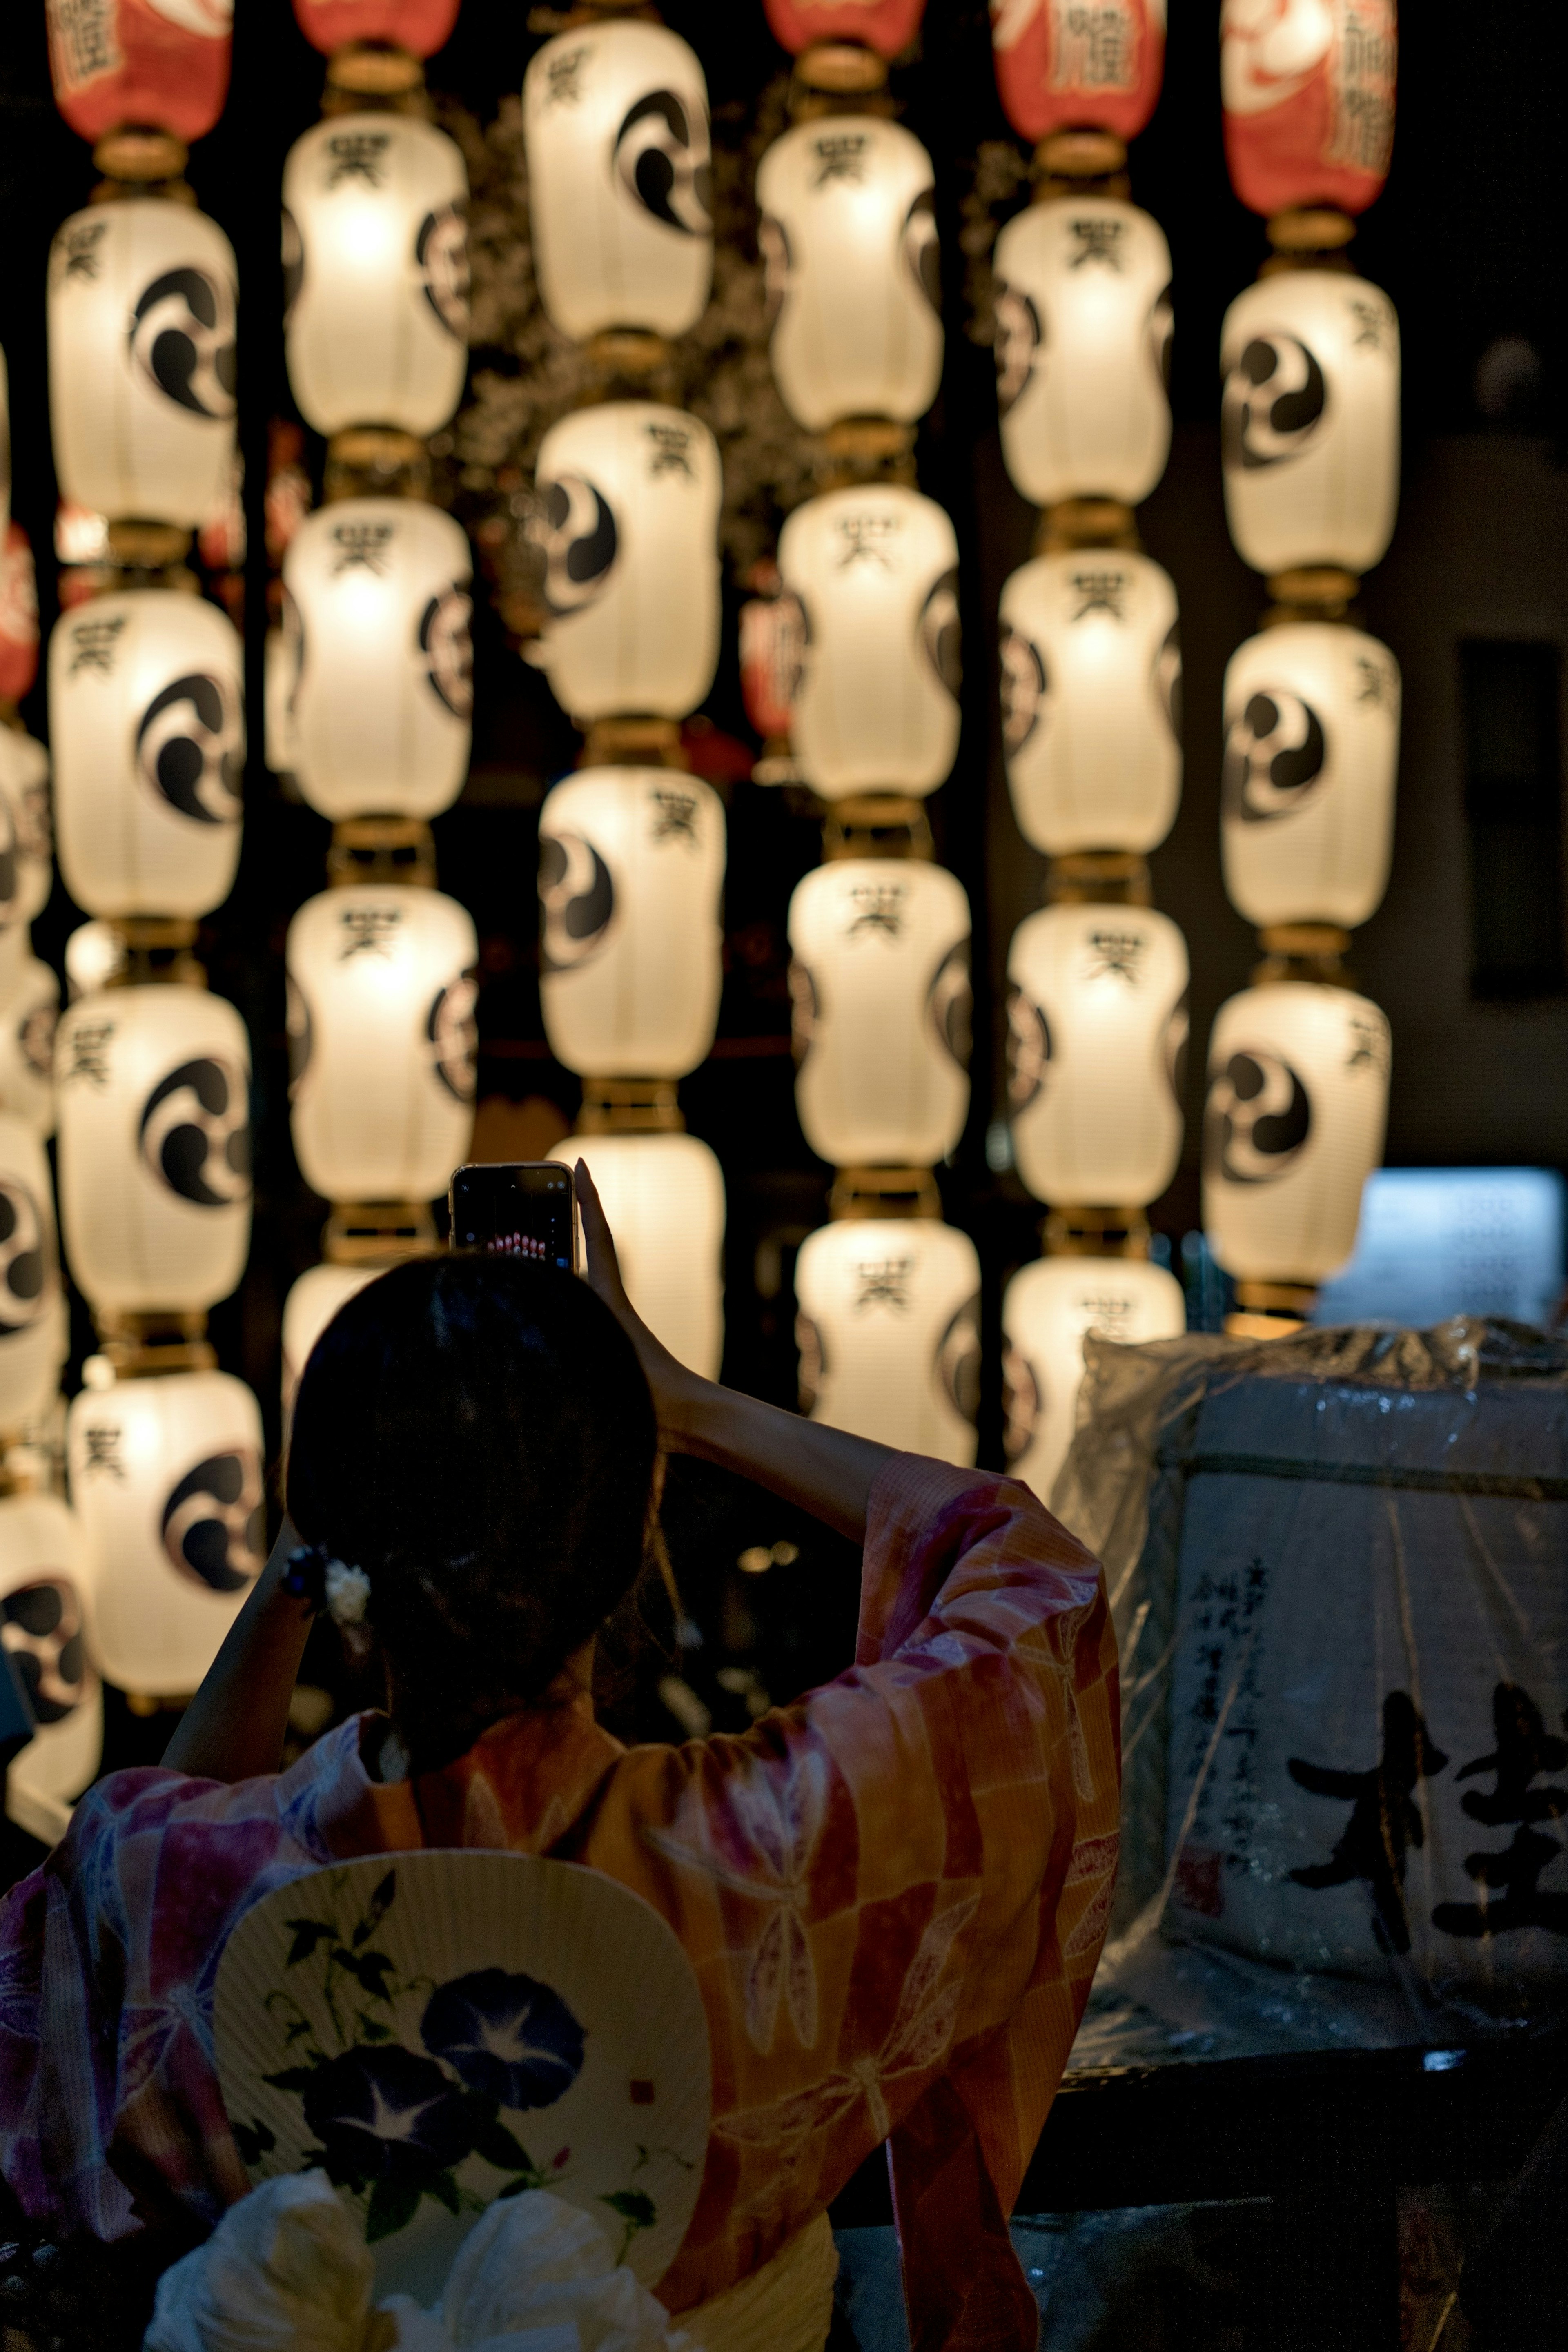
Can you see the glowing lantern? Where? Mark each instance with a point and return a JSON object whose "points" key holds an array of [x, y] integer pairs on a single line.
{"points": [[141, 61], [45, 1624], [166, 1476], [619, 171], [1083, 343], [377, 273], [629, 532], [1091, 671], [631, 868], [420, 27], [1048, 1310], [26, 861], [142, 360], [280, 672], [664, 1196], [885, 26], [1298, 1101], [888, 1331], [1307, 87], [876, 571], [29, 1007], [382, 1041], [146, 714], [849, 240], [94, 953], [380, 599], [1097, 1024], [880, 986], [34, 1336], [18, 600], [154, 1147], [1070, 65], [1312, 750], [309, 1306], [1310, 430]]}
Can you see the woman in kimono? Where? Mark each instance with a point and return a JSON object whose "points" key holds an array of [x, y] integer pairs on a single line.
{"points": [[892, 1892]]}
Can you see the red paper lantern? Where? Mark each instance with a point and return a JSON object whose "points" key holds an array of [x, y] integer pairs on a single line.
{"points": [[1307, 87], [1078, 65], [420, 27], [885, 26], [19, 616], [141, 61]]}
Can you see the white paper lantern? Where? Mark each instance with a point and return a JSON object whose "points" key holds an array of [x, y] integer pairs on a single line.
{"points": [[1310, 426], [309, 1306], [1091, 673], [94, 952], [141, 304], [147, 718], [166, 1476], [876, 571], [25, 801], [631, 871], [1298, 1101], [1311, 753], [629, 532], [34, 1334], [848, 240], [376, 261], [30, 1008], [1083, 341], [615, 120], [46, 1623], [880, 980], [663, 1198], [380, 601], [382, 1041], [154, 1090], [1097, 1026], [888, 1331], [1046, 1312]]}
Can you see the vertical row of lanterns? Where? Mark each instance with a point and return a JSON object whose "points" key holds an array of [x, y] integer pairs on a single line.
{"points": [[879, 934], [376, 697], [146, 723], [629, 490], [1298, 1061], [1091, 696]]}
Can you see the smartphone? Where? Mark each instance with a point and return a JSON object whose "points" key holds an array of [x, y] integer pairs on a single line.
{"points": [[524, 1207]]}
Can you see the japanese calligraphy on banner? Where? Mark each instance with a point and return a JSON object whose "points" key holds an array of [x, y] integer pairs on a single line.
{"points": [[1070, 65], [141, 61], [1308, 90]]}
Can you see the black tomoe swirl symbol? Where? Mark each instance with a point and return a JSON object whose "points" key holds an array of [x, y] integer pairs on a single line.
{"points": [[941, 637], [196, 1132], [1162, 331], [576, 900], [452, 1030], [445, 640], [441, 256], [301, 1034], [10, 862], [1258, 1119], [1016, 342], [1021, 1397], [812, 1353], [1028, 1050], [293, 264], [189, 752], [182, 338], [26, 1267], [214, 1527], [1275, 755], [41, 1630], [922, 253], [663, 160], [1168, 677], [1275, 399], [958, 1362], [1178, 1031], [1025, 686], [773, 244], [950, 1004], [576, 533], [805, 1010]]}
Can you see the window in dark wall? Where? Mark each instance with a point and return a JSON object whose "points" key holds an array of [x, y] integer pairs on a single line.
{"points": [[1513, 809]]}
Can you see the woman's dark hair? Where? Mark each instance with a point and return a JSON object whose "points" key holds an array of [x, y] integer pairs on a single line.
{"points": [[476, 1434]]}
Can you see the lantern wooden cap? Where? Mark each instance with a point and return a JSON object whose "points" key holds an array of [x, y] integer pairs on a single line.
{"points": [[1311, 592], [629, 354], [1073, 523], [861, 449], [138, 545], [633, 743], [630, 1107], [155, 951], [375, 69], [841, 69], [362, 1233], [1080, 154], [876, 824], [148, 1345], [859, 1195], [1083, 1230], [386, 849], [1310, 228], [1313, 952], [1270, 1311], [139, 155], [375, 461], [1100, 877]]}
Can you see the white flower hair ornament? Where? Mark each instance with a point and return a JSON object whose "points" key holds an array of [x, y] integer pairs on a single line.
{"points": [[329, 1585]]}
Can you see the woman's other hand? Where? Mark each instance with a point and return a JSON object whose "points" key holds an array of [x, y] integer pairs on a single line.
{"points": [[675, 1389]]}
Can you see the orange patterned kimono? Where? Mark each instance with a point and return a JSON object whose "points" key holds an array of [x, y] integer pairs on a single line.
{"points": [[893, 1894]]}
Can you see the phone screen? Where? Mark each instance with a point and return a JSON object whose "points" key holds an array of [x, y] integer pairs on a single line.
{"points": [[524, 1207]]}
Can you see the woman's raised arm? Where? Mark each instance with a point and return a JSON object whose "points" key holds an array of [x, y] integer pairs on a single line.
{"points": [[235, 1725]]}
